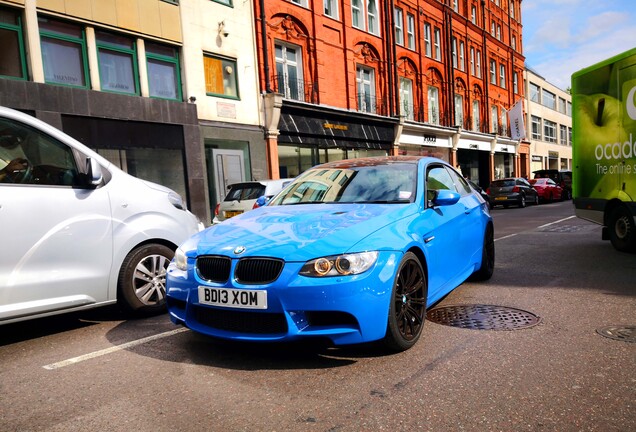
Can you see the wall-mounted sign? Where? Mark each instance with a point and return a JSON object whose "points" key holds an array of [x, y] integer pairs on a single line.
{"points": [[335, 126]]}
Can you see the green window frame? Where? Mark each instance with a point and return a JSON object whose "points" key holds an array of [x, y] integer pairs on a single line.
{"points": [[225, 2], [13, 60], [64, 55], [220, 77], [117, 59], [160, 61]]}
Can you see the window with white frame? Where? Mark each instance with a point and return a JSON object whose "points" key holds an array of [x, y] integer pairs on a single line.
{"points": [[492, 28], [534, 92], [372, 17], [462, 61], [456, 5], [515, 82], [563, 134], [476, 120], [473, 14], [549, 131], [398, 17], [289, 71], [478, 65], [454, 52], [504, 122], [561, 105], [406, 98], [302, 3], [536, 127], [357, 14], [498, 31], [512, 9], [502, 76], [472, 61], [433, 105], [331, 8], [494, 118], [514, 43], [438, 42], [427, 40], [459, 110], [365, 80], [493, 72], [548, 99], [410, 31]]}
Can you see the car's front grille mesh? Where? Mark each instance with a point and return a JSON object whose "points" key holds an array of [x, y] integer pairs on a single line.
{"points": [[248, 270], [241, 322], [258, 270], [214, 268]]}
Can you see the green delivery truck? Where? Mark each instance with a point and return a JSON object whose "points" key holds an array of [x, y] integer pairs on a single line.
{"points": [[604, 147]]}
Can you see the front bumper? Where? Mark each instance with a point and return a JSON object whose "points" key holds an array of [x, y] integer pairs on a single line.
{"points": [[344, 309]]}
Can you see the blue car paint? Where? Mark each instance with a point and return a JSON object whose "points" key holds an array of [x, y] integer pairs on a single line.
{"points": [[299, 233]]}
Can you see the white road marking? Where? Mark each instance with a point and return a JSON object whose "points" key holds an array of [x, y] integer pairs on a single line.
{"points": [[110, 350], [505, 237], [556, 222]]}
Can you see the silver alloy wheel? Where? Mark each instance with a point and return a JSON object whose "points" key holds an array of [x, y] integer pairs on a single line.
{"points": [[149, 279]]}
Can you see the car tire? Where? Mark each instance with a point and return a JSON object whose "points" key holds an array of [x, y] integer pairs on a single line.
{"points": [[536, 199], [622, 232], [407, 308], [522, 201], [141, 287], [487, 268]]}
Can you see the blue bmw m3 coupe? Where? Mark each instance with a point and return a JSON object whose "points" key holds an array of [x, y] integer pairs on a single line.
{"points": [[353, 251]]}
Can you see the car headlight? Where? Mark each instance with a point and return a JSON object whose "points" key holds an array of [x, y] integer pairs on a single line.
{"points": [[176, 200], [180, 259], [339, 265]]}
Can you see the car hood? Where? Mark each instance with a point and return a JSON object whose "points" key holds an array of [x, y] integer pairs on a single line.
{"points": [[299, 232]]}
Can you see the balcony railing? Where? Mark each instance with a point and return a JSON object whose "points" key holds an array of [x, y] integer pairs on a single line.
{"points": [[299, 90], [369, 104]]}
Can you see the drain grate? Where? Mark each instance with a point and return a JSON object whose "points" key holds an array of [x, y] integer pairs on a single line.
{"points": [[620, 333], [483, 317]]}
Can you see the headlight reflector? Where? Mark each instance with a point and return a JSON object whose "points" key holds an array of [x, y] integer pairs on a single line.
{"points": [[340, 265], [180, 260]]}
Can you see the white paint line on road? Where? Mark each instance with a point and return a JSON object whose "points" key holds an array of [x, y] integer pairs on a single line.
{"points": [[110, 350], [505, 237], [556, 222]]}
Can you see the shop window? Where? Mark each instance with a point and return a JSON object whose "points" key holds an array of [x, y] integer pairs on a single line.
{"points": [[63, 53], [220, 77], [117, 57], [289, 71], [164, 80], [13, 59]]}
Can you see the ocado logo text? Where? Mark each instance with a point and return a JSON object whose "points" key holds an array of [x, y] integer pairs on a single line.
{"points": [[617, 150]]}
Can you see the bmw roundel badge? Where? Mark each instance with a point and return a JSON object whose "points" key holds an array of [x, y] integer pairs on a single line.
{"points": [[239, 250]]}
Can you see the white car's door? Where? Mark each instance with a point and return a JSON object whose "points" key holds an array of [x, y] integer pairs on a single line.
{"points": [[55, 236]]}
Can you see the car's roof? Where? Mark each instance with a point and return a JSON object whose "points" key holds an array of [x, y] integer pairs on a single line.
{"points": [[376, 161]]}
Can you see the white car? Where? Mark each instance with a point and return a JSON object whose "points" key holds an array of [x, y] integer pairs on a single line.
{"points": [[76, 231], [244, 196]]}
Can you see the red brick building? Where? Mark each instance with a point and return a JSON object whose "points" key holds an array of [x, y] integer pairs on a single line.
{"points": [[352, 78]]}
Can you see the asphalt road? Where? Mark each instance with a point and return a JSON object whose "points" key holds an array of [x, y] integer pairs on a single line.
{"points": [[96, 371]]}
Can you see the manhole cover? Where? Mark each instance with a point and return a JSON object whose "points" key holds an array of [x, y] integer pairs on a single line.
{"points": [[483, 317], [621, 333]]}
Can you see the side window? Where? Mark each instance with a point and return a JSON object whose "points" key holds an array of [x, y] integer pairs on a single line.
{"points": [[28, 156], [438, 178], [460, 183]]}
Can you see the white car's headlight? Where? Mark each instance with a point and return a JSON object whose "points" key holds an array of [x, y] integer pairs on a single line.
{"points": [[180, 259], [339, 265]]}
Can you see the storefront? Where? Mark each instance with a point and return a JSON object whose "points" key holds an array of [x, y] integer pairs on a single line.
{"points": [[310, 135]]}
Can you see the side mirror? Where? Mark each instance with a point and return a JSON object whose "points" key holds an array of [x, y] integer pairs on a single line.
{"points": [[445, 197], [261, 201], [94, 174]]}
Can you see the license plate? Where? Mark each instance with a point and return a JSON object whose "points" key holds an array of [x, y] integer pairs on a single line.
{"points": [[232, 213], [501, 198], [233, 298]]}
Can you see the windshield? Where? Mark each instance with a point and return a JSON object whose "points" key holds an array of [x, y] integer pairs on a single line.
{"points": [[391, 184]]}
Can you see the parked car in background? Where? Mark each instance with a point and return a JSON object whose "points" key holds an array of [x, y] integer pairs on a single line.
{"points": [[244, 196], [481, 191], [547, 189], [561, 177], [77, 232], [351, 251], [516, 191]]}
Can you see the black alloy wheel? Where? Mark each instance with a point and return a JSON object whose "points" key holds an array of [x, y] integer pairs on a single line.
{"points": [[522, 201], [407, 311]]}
